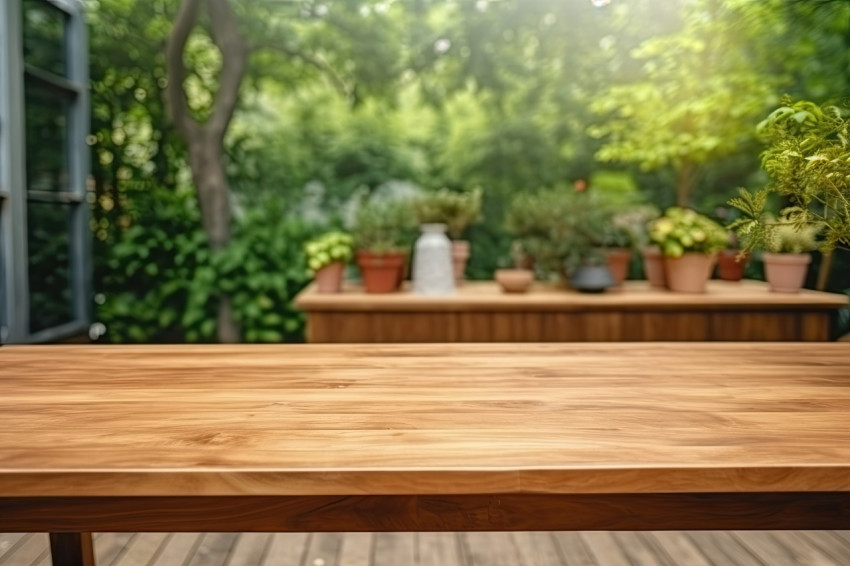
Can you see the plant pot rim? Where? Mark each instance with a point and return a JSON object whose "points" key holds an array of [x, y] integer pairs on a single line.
{"points": [[691, 254], [805, 257]]}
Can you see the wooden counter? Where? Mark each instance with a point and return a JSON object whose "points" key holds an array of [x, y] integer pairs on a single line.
{"points": [[422, 437], [480, 312]]}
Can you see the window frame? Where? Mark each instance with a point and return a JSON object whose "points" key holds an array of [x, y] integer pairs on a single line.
{"points": [[14, 74]]}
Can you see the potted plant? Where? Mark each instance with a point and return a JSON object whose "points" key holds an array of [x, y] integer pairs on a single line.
{"points": [[787, 255], [326, 259], [457, 210], [544, 226], [518, 279], [806, 159], [626, 232], [732, 261], [382, 232], [689, 243]]}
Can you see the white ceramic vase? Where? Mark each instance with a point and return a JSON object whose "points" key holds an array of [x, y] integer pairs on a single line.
{"points": [[433, 271]]}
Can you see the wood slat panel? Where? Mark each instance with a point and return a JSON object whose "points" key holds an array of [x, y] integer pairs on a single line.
{"points": [[480, 313]]}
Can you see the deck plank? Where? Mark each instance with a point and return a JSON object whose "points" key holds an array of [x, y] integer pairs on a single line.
{"points": [[780, 548], [214, 549], [833, 545], [439, 549], [356, 549], [573, 550], [740, 548], [491, 549], [250, 549], [677, 548], [323, 550], [142, 550], [178, 549], [30, 550], [536, 548], [603, 546], [287, 549], [393, 549], [8, 543], [721, 548], [639, 551]]}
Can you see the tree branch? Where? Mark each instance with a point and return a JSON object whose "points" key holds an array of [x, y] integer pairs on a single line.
{"points": [[225, 34], [187, 16], [313, 61]]}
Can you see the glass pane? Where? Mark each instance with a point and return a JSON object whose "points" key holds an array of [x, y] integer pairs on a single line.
{"points": [[47, 140], [44, 36], [48, 238]]}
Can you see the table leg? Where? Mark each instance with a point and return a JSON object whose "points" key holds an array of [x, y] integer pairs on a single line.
{"points": [[72, 549]]}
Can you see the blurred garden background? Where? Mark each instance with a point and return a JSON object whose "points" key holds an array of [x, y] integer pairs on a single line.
{"points": [[293, 112]]}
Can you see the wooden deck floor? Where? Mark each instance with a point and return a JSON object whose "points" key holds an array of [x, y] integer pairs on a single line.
{"points": [[797, 548]]}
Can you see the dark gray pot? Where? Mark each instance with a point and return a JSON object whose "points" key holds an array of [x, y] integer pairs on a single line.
{"points": [[592, 279]]}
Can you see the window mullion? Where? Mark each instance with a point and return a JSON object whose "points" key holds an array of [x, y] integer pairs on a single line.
{"points": [[13, 171]]}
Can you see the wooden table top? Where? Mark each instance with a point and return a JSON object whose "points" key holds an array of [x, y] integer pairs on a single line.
{"points": [[424, 419], [634, 295]]}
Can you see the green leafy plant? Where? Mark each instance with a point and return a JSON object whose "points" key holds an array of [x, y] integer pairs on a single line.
{"points": [[457, 210], [165, 283], [807, 161], [630, 224], [683, 230], [384, 226], [558, 226], [791, 239], [329, 248]]}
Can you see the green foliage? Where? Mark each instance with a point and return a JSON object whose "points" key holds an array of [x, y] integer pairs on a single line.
{"points": [[699, 92], [682, 230], [329, 248], [261, 271], [788, 238], [807, 161], [631, 224], [454, 209], [348, 96], [558, 226], [384, 226], [164, 282]]}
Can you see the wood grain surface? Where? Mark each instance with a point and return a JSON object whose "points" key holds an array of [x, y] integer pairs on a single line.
{"points": [[635, 295], [118, 421], [409, 513]]}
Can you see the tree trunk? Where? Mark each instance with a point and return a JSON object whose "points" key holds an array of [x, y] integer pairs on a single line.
{"points": [[206, 141], [685, 184]]}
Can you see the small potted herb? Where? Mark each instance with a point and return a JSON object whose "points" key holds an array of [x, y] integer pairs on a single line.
{"points": [[689, 243], [787, 245], [326, 259], [382, 235]]}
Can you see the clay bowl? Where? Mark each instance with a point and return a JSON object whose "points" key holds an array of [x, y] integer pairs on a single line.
{"points": [[514, 280]]}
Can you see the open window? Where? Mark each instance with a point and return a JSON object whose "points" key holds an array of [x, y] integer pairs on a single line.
{"points": [[44, 236]]}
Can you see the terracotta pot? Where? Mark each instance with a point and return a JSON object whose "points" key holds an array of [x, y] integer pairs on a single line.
{"points": [[728, 266], [460, 254], [329, 278], [381, 272], [786, 273], [653, 266], [689, 273], [619, 260], [514, 280]]}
